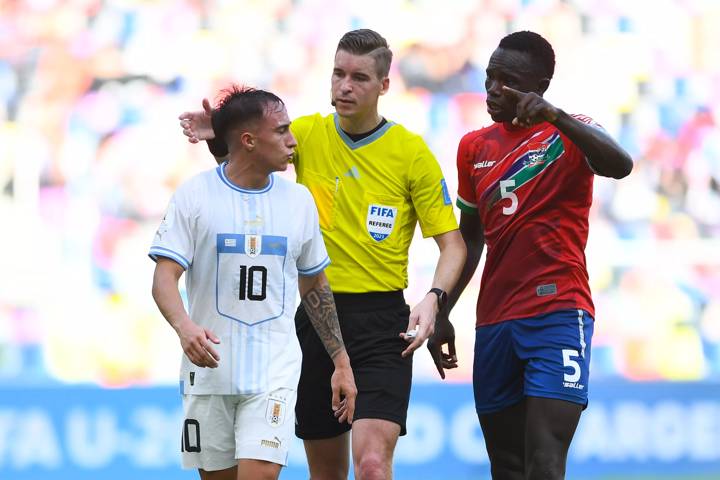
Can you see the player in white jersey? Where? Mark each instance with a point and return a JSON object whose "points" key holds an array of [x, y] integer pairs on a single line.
{"points": [[247, 241]]}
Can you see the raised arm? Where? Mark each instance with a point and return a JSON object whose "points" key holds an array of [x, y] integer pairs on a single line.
{"points": [[603, 154], [319, 304]]}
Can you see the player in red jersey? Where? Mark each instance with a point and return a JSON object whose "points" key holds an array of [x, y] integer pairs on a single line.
{"points": [[525, 190]]}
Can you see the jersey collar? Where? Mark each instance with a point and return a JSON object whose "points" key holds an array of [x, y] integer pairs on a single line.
{"points": [[221, 173], [362, 142]]}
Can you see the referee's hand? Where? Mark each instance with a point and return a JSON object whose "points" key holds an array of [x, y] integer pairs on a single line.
{"points": [[421, 323], [197, 125]]}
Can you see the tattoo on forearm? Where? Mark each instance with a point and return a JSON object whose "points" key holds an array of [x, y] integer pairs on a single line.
{"points": [[320, 307]]}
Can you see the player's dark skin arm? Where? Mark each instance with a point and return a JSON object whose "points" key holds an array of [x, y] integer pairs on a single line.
{"points": [[317, 298], [473, 235], [604, 155]]}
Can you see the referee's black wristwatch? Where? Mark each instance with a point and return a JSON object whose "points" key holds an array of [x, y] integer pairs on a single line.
{"points": [[442, 297]]}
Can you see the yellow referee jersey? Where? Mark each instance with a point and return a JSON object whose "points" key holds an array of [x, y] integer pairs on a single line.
{"points": [[370, 194]]}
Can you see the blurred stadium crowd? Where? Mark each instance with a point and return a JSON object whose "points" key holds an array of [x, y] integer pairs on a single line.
{"points": [[90, 152]]}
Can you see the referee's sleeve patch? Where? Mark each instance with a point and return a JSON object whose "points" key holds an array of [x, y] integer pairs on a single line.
{"points": [[446, 194]]}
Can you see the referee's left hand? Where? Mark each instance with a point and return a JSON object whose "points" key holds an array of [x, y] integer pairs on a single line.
{"points": [[197, 125], [422, 318]]}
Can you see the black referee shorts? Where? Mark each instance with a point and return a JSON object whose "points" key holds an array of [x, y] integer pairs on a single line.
{"points": [[370, 325]]}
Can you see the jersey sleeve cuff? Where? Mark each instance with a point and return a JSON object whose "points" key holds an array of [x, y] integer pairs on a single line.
{"points": [[466, 206], [156, 252], [439, 231], [308, 272]]}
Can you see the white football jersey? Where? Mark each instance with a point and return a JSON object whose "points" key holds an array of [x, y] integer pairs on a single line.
{"points": [[242, 251]]}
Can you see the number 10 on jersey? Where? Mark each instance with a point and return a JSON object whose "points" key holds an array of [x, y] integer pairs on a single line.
{"points": [[253, 283], [250, 278]]}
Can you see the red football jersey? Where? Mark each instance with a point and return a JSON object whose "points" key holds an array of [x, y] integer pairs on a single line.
{"points": [[532, 188]]}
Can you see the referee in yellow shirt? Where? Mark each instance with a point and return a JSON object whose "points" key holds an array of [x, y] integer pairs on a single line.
{"points": [[372, 181]]}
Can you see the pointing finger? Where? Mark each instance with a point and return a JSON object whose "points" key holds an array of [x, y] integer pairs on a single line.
{"points": [[512, 92], [439, 364]]}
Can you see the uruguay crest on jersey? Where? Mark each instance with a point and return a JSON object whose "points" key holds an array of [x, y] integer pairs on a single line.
{"points": [[380, 221], [252, 245]]}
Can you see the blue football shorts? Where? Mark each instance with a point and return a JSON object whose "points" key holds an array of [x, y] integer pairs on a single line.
{"points": [[545, 356]]}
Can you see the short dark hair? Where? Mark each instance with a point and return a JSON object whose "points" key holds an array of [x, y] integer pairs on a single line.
{"points": [[534, 44], [238, 105], [368, 42]]}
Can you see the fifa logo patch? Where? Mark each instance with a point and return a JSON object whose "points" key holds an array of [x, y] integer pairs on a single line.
{"points": [[380, 221], [275, 413], [253, 245]]}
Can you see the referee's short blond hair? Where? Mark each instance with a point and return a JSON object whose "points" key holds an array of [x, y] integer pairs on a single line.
{"points": [[368, 42]]}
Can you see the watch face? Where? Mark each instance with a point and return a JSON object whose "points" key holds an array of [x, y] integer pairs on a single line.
{"points": [[441, 296]]}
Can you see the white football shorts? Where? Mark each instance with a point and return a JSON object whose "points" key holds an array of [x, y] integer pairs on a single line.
{"points": [[220, 429]]}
